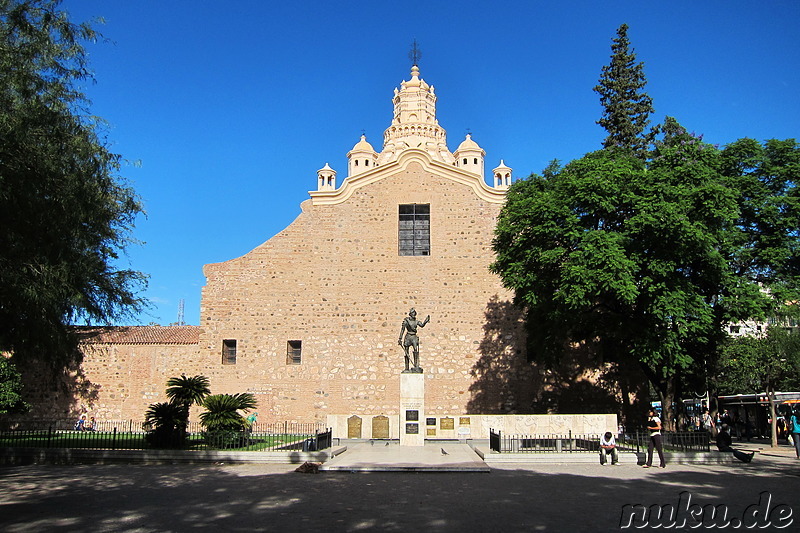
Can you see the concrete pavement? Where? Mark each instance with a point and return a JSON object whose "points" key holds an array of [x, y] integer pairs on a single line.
{"points": [[272, 497]]}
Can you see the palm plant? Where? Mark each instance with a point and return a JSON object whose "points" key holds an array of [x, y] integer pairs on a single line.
{"points": [[222, 411], [187, 391], [165, 424]]}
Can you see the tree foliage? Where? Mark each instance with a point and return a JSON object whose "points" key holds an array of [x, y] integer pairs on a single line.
{"points": [[626, 107], [752, 365], [648, 259], [761, 364], [11, 400], [67, 215]]}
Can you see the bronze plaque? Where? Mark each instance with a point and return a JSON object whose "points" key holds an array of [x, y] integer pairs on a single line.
{"points": [[463, 421], [380, 427], [447, 423], [431, 432], [412, 429], [354, 427], [412, 415], [430, 421]]}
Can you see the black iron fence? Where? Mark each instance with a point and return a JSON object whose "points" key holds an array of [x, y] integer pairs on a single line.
{"points": [[128, 435], [579, 443]]}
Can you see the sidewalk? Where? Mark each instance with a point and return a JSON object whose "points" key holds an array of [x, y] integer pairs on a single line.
{"points": [[273, 497]]}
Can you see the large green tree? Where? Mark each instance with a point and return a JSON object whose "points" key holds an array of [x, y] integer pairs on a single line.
{"points": [[626, 107], [760, 364], [67, 215], [647, 260]]}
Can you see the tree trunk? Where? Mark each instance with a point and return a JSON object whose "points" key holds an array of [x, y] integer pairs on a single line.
{"points": [[668, 404], [773, 425]]}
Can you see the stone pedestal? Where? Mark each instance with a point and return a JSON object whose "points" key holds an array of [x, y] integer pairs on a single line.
{"points": [[412, 409]]}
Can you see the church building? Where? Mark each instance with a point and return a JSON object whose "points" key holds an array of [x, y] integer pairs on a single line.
{"points": [[310, 320]]}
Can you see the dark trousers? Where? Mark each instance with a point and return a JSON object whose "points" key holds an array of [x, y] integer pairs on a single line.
{"points": [[655, 442]]}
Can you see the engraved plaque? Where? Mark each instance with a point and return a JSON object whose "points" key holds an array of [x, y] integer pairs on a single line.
{"points": [[431, 432], [412, 429], [412, 415], [447, 423], [430, 421], [463, 421], [380, 427], [354, 427]]}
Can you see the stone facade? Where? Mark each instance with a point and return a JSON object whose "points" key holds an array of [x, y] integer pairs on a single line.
{"points": [[335, 285]]}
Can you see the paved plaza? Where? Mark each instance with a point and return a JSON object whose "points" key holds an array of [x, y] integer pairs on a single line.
{"points": [[273, 497]]}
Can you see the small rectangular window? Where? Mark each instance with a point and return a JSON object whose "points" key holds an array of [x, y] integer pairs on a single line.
{"points": [[229, 352], [294, 351], [414, 235]]}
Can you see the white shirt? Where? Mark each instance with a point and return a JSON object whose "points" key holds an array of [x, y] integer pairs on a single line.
{"points": [[609, 442], [655, 421]]}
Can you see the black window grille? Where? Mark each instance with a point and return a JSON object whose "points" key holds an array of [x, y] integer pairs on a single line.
{"points": [[229, 352], [415, 229], [294, 350]]}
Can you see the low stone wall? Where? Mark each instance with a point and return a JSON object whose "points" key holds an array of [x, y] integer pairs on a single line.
{"points": [[22, 456], [471, 426]]}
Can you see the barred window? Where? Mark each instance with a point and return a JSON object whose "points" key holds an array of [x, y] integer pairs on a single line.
{"points": [[415, 229], [294, 351], [229, 352]]}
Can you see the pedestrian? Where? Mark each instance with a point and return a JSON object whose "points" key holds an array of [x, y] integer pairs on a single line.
{"points": [[81, 423], [725, 444], [708, 422], [608, 445], [654, 426], [794, 425]]}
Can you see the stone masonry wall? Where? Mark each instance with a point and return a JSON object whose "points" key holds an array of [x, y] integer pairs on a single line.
{"points": [[334, 280]]}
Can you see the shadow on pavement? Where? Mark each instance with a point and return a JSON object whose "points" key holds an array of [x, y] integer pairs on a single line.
{"points": [[274, 497]]}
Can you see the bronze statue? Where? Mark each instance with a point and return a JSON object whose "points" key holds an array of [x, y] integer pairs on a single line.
{"points": [[409, 327]]}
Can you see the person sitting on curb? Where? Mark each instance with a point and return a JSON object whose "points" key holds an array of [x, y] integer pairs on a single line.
{"points": [[724, 442], [608, 446]]}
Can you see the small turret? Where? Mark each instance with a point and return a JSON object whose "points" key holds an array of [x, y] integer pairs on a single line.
{"points": [[469, 156], [361, 158], [326, 179], [502, 176]]}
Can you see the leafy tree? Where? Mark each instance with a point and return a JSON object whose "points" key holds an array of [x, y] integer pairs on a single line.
{"points": [[643, 259], [626, 108], [67, 216], [10, 389], [761, 364]]}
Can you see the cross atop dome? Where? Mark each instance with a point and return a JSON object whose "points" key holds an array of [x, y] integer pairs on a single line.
{"points": [[415, 54]]}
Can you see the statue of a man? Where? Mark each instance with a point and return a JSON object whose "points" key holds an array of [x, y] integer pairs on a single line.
{"points": [[409, 327]]}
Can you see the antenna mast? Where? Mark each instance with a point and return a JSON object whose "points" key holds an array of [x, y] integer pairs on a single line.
{"points": [[181, 304]]}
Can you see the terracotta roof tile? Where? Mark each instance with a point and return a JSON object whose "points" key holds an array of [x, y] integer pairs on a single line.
{"points": [[140, 335]]}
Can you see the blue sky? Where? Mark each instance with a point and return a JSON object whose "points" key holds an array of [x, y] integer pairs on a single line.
{"points": [[230, 108]]}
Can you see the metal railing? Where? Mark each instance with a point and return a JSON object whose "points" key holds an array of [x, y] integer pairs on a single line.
{"points": [[581, 443], [128, 435], [672, 441]]}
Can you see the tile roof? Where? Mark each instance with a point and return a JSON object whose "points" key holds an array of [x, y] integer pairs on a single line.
{"points": [[140, 335]]}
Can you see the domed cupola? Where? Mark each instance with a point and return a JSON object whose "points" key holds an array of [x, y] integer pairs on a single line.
{"points": [[361, 158], [469, 156], [414, 124]]}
